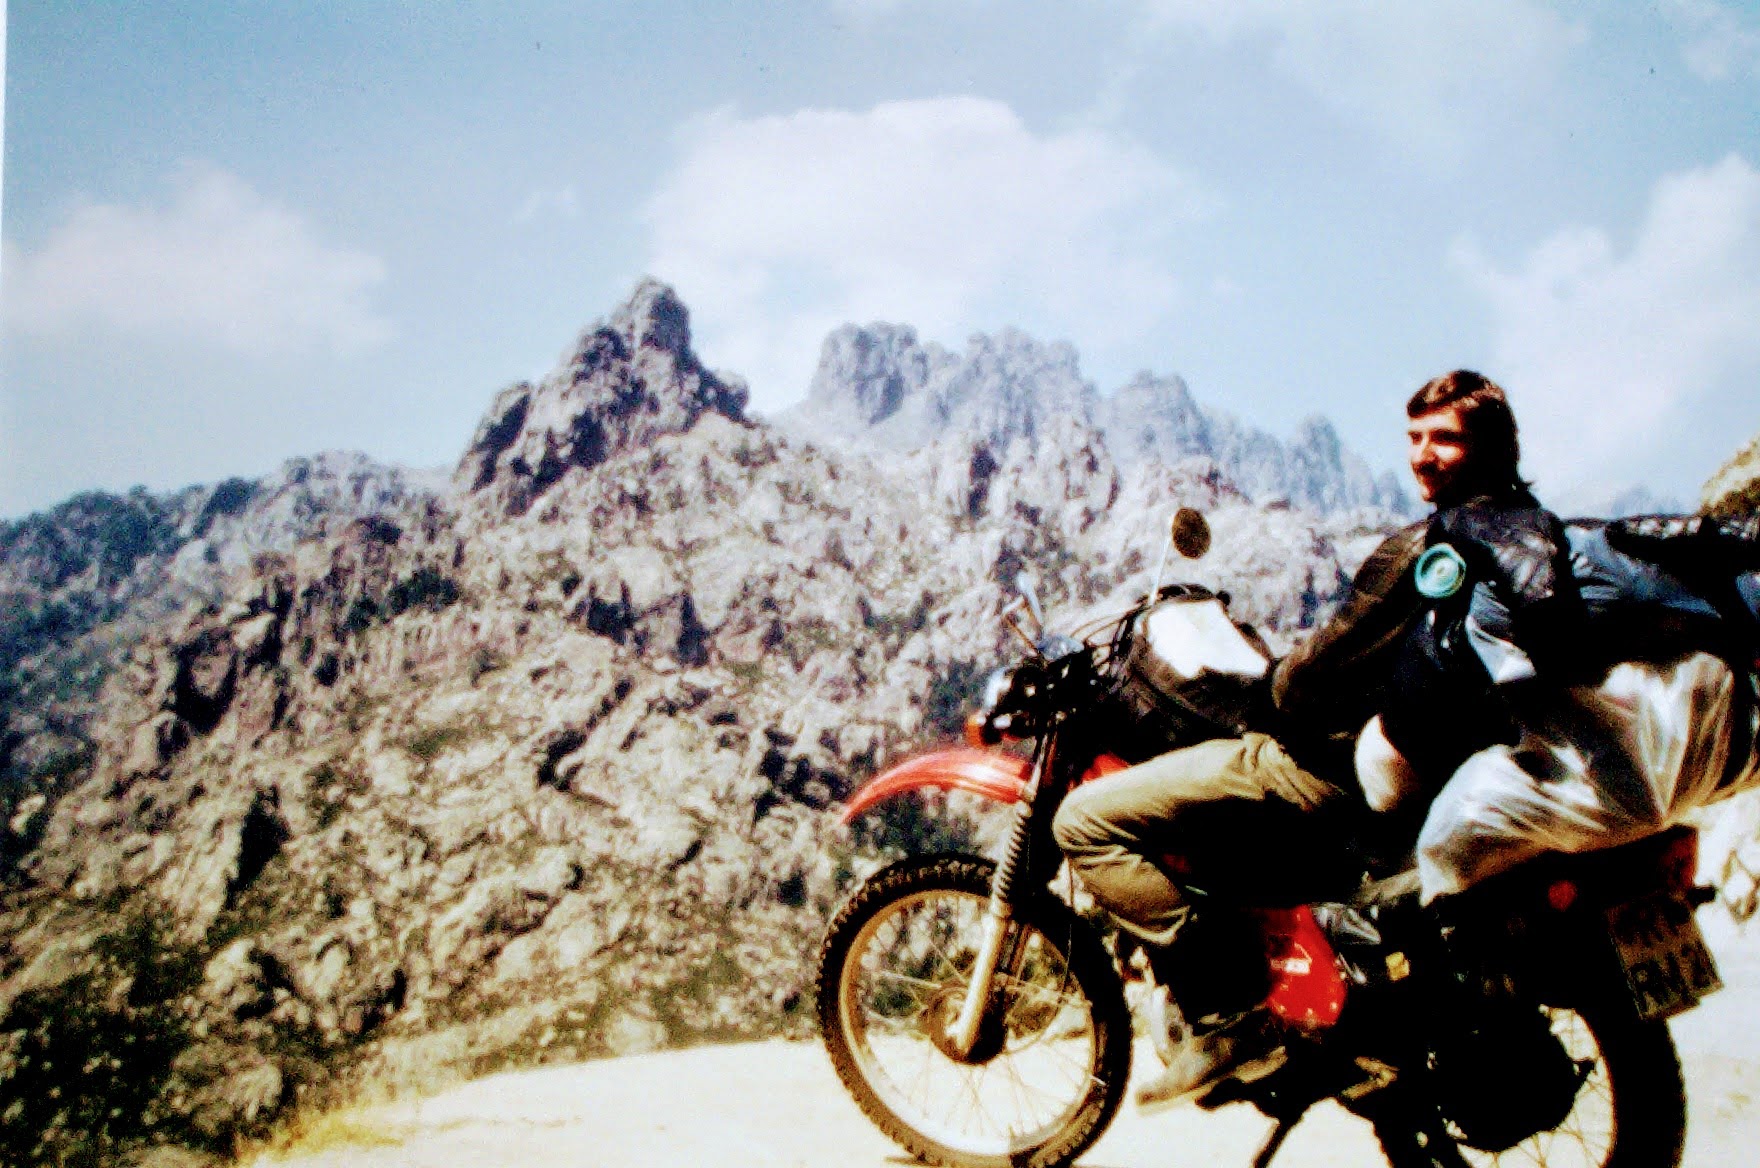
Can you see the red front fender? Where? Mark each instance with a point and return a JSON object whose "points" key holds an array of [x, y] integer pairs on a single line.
{"points": [[999, 777]]}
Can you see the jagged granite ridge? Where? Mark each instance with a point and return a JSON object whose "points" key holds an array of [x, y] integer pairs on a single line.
{"points": [[878, 387]]}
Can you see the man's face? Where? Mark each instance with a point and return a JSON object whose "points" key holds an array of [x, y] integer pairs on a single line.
{"points": [[1438, 452]]}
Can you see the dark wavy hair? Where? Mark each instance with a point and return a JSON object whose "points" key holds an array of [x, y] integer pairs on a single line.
{"points": [[1494, 448]]}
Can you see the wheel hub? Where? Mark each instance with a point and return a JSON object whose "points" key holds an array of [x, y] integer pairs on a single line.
{"points": [[939, 1016]]}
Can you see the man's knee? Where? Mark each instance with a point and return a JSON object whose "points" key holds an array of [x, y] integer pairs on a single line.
{"points": [[1076, 827]]}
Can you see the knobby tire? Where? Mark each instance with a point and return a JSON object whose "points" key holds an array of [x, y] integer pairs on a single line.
{"points": [[1074, 974], [1640, 1069]]}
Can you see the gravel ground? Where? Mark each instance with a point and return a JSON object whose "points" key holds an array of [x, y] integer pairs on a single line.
{"points": [[778, 1105]]}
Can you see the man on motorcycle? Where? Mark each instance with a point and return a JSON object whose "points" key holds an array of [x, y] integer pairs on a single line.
{"points": [[1465, 457], [1247, 793]]}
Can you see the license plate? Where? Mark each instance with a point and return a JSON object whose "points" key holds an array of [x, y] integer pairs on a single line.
{"points": [[1668, 968]]}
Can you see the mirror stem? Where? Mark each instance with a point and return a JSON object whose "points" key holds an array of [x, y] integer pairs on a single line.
{"points": [[1160, 567], [1030, 595]]}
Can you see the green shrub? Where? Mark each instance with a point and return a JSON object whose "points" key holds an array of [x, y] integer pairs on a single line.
{"points": [[425, 588], [230, 497], [431, 743], [361, 615], [920, 823], [952, 694], [747, 672], [64, 764], [485, 661], [91, 1056]]}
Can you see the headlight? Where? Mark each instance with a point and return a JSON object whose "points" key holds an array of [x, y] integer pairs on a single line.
{"points": [[994, 687], [985, 727], [1056, 646]]}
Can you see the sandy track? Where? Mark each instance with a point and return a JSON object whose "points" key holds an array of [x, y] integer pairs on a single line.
{"points": [[778, 1105]]}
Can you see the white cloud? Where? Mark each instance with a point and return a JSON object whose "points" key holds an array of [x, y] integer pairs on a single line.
{"points": [[1601, 349], [1431, 76], [1716, 41], [218, 264], [948, 213]]}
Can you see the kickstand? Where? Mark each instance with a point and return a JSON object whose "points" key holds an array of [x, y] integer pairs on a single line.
{"points": [[1274, 1141]]}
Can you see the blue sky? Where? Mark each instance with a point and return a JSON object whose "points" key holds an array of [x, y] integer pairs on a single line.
{"points": [[237, 233]]}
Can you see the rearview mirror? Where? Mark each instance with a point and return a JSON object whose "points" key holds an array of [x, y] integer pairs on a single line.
{"points": [[1191, 533]]}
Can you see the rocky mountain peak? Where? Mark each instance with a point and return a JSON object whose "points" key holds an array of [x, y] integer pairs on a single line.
{"points": [[869, 373], [626, 381], [1155, 417], [1316, 436], [879, 388], [654, 317], [1009, 386]]}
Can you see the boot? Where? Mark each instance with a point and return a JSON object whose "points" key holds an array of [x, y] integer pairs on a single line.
{"points": [[1198, 1058]]}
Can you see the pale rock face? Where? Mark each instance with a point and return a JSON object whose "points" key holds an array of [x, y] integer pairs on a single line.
{"points": [[547, 765], [83, 582], [1735, 488], [876, 375], [1155, 418], [878, 388]]}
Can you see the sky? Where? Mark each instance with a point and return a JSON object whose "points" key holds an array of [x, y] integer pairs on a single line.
{"points": [[233, 234]]}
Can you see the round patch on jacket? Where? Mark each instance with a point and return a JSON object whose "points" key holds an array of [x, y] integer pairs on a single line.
{"points": [[1440, 572]]}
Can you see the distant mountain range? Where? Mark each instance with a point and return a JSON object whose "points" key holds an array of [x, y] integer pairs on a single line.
{"points": [[878, 387]]}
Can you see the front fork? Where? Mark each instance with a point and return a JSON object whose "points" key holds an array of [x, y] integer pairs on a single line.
{"points": [[963, 1034], [994, 943]]}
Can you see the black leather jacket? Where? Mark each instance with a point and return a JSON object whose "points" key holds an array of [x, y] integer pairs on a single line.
{"points": [[1552, 603], [1517, 600], [1337, 679], [1331, 684]]}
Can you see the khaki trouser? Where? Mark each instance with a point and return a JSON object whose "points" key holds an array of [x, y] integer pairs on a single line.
{"points": [[1204, 800]]}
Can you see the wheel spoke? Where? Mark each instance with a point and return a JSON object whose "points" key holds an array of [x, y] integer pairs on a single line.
{"points": [[1035, 1066], [907, 979], [1586, 1137]]}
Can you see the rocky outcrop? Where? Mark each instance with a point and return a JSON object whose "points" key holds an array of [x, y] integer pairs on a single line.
{"points": [[84, 582], [878, 377], [1154, 418], [627, 381], [878, 388], [1735, 488]]}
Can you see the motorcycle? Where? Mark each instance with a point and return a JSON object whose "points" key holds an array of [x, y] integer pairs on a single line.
{"points": [[980, 1019]]}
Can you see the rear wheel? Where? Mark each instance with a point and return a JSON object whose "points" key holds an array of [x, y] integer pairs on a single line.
{"points": [[1052, 1055], [1630, 1112]]}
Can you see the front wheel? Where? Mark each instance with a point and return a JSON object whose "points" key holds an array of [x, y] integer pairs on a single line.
{"points": [[1053, 1053], [1630, 1112]]}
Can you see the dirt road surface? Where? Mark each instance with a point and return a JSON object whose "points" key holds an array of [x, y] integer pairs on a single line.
{"points": [[778, 1105]]}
